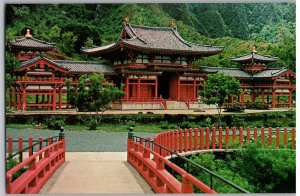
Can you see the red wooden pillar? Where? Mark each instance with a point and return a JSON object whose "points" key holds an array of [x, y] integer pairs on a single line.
{"points": [[243, 98], [156, 87], [227, 138], [241, 136], [19, 98], [191, 139], [213, 138], [176, 140], [220, 137], [270, 136], [139, 88], [24, 98], [15, 98], [255, 133], [196, 139], [10, 146], [232, 99], [178, 87], [127, 88], [60, 97], [233, 133], [30, 150], [201, 138], [277, 137], [185, 140], [293, 138], [48, 100], [180, 140], [40, 147], [248, 135], [54, 98], [207, 137]]}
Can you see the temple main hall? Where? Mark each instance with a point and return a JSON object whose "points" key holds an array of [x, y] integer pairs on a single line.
{"points": [[156, 66]]}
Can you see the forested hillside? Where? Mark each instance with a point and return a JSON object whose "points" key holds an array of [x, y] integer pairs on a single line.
{"points": [[270, 27]]}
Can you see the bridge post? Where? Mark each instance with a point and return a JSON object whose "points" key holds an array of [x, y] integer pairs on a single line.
{"points": [[186, 185], [233, 134], [61, 134], [10, 147], [277, 137], [213, 138], [195, 138], [270, 136], [293, 138], [159, 166], [255, 133], [241, 136], [220, 137], [207, 137], [227, 138], [201, 138]]}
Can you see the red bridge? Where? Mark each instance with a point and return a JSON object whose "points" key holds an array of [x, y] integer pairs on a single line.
{"points": [[149, 158]]}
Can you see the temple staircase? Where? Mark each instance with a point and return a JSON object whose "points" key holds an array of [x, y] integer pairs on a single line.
{"points": [[176, 105]]}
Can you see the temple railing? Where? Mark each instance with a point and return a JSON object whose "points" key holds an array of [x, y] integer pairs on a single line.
{"points": [[159, 172], [151, 158], [187, 140], [145, 100], [30, 174]]}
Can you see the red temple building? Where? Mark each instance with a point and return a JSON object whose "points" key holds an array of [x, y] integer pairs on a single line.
{"points": [[154, 63]]}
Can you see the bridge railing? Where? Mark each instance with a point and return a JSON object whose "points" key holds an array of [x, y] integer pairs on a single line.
{"points": [[156, 169], [37, 168], [186, 140]]}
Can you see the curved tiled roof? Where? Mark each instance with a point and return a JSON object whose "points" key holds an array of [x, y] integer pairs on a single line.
{"points": [[31, 43], [157, 39], [254, 57], [239, 73], [84, 67], [74, 66]]}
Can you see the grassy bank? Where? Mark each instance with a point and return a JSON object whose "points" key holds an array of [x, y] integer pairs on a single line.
{"points": [[153, 123]]}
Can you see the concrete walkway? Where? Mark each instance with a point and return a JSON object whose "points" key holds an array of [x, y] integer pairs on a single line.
{"points": [[96, 173]]}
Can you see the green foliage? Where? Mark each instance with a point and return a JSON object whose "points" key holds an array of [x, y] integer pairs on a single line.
{"points": [[93, 95], [257, 170], [234, 108], [55, 122], [218, 87], [271, 27], [92, 124], [12, 163]]}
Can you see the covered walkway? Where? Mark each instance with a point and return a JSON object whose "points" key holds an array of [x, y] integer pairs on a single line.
{"points": [[96, 173]]}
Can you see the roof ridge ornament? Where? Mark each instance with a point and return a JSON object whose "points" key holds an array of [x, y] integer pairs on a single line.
{"points": [[174, 26], [254, 49], [126, 20], [28, 35]]}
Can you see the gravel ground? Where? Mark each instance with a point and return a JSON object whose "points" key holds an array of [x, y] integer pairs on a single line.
{"points": [[81, 141]]}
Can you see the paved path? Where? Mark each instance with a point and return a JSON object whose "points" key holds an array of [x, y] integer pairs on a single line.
{"points": [[96, 173], [81, 141]]}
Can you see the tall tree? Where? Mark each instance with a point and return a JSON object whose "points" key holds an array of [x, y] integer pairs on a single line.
{"points": [[96, 95], [218, 88]]}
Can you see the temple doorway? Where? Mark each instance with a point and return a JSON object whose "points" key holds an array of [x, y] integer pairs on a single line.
{"points": [[167, 85]]}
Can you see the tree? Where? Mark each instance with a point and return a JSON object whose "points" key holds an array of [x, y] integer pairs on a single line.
{"points": [[96, 95], [217, 89]]}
